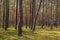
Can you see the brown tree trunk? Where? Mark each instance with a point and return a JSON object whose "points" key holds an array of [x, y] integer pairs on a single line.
{"points": [[21, 19], [7, 14], [31, 16], [51, 16], [26, 20], [56, 14], [4, 3], [43, 15], [36, 16], [16, 13]]}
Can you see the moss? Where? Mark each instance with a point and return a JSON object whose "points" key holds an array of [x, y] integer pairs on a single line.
{"points": [[39, 34]]}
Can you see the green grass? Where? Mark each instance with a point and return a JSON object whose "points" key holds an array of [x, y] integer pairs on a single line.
{"points": [[39, 34]]}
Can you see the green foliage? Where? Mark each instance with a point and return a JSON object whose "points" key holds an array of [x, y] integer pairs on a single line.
{"points": [[39, 34]]}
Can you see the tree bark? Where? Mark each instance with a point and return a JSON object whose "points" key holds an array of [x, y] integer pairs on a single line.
{"points": [[16, 13], [43, 15], [21, 19], [7, 14], [36, 16], [4, 4]]}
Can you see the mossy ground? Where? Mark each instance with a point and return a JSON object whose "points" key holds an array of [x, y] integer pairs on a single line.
{"points": [[39, 34]]}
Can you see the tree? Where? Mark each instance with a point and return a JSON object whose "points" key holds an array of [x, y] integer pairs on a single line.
{"points": [[43, 15], [26, 13], [16, 13], [31, 16], [0, 11], [46, 13], [21, 19], [56, 22], [4, 4], [37, 15], [32, 13], [7, 15], [51, 16]]}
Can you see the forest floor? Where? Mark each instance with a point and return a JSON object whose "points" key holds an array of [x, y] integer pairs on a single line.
{"points": [[39, 34]]}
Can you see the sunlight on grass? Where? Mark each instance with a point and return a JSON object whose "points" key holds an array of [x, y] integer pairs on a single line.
{"points": [[39, 34]]}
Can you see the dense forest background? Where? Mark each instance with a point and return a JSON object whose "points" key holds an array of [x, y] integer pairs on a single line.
{"points": [[29, 14], [26, 11]]}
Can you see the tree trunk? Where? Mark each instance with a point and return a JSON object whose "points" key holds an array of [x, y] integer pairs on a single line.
{"points": [[4, 4], [16, 13], [43, 15], [7, 15], [21, 19], [36, 16], [56, 13], [51, 16], [26, 14]]}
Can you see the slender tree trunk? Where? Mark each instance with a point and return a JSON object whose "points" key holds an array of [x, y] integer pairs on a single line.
{"points": [[51, 16], [7, 14], [26, 14], [0, 14], [21, 19], [12, 19], [4, 3], [56, 13], [46, 12], [43, 15], [33, 13], [16, 13], [31, 16], [36, 16]]}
